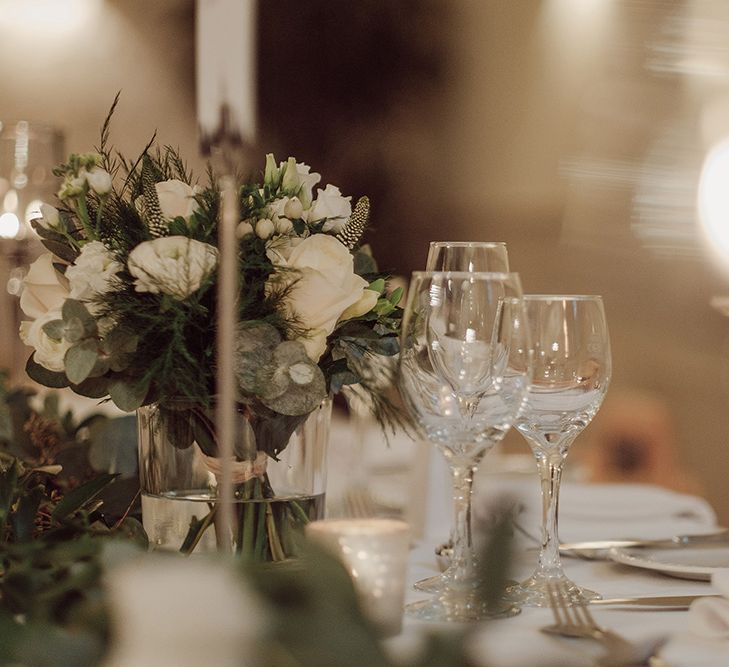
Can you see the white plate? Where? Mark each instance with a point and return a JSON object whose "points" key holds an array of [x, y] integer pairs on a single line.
{"points": [[684, 562]]}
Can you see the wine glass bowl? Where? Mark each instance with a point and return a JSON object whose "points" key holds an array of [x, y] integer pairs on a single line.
{"points": [[463, 413], [571, 374]]}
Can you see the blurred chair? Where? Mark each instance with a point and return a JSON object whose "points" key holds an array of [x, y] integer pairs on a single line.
{"points": [[633, 439]]}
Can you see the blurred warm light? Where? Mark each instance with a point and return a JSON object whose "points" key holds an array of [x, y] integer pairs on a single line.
{"points": [[51, 16], [714, 198], [10, 201], [9, 225]]}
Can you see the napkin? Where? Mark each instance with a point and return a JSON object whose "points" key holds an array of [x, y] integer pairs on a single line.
{"points": [[706, 643]]}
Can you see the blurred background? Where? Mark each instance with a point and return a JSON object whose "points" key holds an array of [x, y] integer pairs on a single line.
{"points": [[590, 135]]}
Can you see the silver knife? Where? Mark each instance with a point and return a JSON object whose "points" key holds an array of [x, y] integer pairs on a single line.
{"points": [[675, 541], [678, 601]]}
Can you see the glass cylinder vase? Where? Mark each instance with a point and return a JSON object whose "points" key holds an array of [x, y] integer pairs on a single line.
{"points": [[279, 476]]}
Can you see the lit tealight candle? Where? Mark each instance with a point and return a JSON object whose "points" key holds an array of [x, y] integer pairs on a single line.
{"points": [[375, 553]]}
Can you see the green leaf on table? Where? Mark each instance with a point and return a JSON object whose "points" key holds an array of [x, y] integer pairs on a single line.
{"points": [[79, 497], [80, 360], [48, 378]]}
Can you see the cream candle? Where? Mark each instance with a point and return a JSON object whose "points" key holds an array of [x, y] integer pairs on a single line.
{"points": [[375, 553]]}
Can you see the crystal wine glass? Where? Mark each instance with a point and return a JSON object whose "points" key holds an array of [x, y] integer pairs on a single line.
{"points": [[461, 256], [571, 348], [464, 374]]}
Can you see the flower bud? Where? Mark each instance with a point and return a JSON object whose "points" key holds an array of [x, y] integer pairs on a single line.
{"points": [[284, 226], [50, 219], [73, 186], [291, 181], [264, 228], [99, 180], [294, 209], [272, 175], [244, 229]]}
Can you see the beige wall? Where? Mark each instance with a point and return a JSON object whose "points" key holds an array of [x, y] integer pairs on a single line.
{"points": [[546, 116]]}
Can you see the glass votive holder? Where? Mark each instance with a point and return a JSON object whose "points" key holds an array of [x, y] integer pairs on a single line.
{"points": [[375, 553]]}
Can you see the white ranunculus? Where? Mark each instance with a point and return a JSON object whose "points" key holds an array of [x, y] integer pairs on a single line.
{"points": [[90, 274], [99, 180], [48, 353], [174, 265], [331, 206], [244, 229], [324, 286], [50, 218], [44, 288], [176, 198]]}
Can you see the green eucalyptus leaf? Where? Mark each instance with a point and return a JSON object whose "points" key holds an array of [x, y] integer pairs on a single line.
{"points": [[128, 395], [80, 360], [54, 329], [364, 263], [72, 309], [48, 378], [92, 387], [79, 497], [74, 330], [62, 250]]}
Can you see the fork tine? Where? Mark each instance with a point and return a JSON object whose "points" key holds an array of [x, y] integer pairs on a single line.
{"points": [[555, 603]]}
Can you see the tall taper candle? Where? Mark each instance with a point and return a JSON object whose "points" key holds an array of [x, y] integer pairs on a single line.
{"points": [[226, 87], [226, 117]]}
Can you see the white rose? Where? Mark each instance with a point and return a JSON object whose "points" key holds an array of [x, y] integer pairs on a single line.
{"points": [[176, 198], [279, 249], [325, 286], [44, 288], [365, 304], [174, 265], [90, 274], [331, 206], [50, 218], [48, 353], [99, 180]]}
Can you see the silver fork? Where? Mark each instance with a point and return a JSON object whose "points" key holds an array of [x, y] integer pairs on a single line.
{"points": [[576, 621]]}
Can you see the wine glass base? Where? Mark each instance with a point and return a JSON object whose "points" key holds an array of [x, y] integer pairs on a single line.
{"points": [[435, 584], [464, 609], [534, 591]]}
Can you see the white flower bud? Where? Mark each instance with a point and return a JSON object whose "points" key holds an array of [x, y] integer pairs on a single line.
{"points": [[99, 180], [264, 228], [294, 209], [284, 226], [291, 181], [244, 229], [50, 218], [73, 186], [272, 175]]}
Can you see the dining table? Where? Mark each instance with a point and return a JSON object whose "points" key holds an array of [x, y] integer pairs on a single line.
{"points": [[587, 512]]}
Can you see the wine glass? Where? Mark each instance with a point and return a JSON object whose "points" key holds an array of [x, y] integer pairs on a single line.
{"points": [[571, 350], [467, 256], [464, 374], [461, 256]]}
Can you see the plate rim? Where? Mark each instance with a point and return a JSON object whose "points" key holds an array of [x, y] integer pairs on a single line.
{"points": [[628, 556]]}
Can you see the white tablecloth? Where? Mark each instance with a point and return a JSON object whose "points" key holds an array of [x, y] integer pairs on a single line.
{"points": [[588, 512]]}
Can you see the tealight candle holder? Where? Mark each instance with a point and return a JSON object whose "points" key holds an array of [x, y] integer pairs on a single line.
{"points": [[375, 553]]}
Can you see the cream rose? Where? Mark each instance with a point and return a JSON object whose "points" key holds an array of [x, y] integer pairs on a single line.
{"points": [[48, 353], [176, 198], [174, 265], [331, 206], [325, 287], [90, 274], [44, 288]]}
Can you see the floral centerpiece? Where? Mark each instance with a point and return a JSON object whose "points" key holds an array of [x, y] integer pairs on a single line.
{"points": [[123, 306]]}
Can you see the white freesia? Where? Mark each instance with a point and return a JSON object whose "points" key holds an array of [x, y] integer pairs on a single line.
{"points": [[324, 286], [90, 274], [176, 198], [99, 180], [50, 217], [174, 265], [331, 206], [44, 288], [48, 353]]}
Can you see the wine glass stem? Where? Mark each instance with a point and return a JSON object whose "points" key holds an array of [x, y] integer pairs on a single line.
{"points": [[463, 559], [550, 473]]}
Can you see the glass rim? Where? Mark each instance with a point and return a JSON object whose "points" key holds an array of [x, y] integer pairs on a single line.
{"points": [[563, 297], [467, 244], [494, 275]]}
